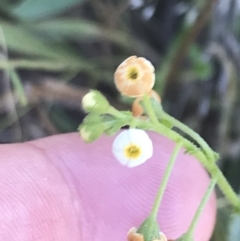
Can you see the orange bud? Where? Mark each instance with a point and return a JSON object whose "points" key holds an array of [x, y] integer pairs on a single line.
{"points": [[134, 236], [134, 77], [137, 109]]}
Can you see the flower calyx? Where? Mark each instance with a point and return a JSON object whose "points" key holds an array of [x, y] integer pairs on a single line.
{"points": [[133, 235], [91, 128]]}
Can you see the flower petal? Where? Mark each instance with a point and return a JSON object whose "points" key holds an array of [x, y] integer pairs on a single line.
{"points": [[135, 137], [121, 156], [134, 87], [146, 64]]}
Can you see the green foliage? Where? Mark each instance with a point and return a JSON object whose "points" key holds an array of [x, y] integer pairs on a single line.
{"points": [[113, 125], [40, 9], [71, 29], [17, 84], [21, 40], [201, 68], [62, 121], [82, 30]]}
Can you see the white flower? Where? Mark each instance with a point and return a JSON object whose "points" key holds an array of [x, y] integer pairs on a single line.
{"points": [[132, 147]]}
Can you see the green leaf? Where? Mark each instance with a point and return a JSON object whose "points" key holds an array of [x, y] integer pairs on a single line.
{"points": [[113, 125], [71, 28], [40, 9], [21, 40], [82, 30], [201, 68]]}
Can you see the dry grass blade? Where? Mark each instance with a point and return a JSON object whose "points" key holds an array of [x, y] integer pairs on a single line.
{"points": [[8, 100]]}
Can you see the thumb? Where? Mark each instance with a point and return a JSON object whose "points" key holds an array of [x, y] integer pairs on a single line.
{"points": [[59, 188]]}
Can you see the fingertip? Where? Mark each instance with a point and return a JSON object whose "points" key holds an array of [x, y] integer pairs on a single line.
{"points": [[35, 201], [124, 196]]}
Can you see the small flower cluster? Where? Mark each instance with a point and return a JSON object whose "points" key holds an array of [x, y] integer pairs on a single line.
{"points": [[135, 78]]}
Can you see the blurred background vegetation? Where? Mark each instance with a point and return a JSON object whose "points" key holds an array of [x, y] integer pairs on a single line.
{"points": [[53, 51]]}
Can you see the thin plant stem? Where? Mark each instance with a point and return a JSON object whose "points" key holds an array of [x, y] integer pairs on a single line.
{"points": [[225, 186], [211, 167], [116, 113], [207, 150], [149, 109], [205, 154], [164, 182], [190, 232]]}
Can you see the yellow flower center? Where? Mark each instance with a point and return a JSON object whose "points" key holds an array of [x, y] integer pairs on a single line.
{"points": [[132, 151], [132, 73]]}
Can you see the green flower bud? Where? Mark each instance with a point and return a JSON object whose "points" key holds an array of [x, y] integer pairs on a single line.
{"points": [[95, 102], [90, 133]]}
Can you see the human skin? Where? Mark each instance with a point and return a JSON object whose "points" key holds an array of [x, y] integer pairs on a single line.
{"points": [[61, 189]]}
